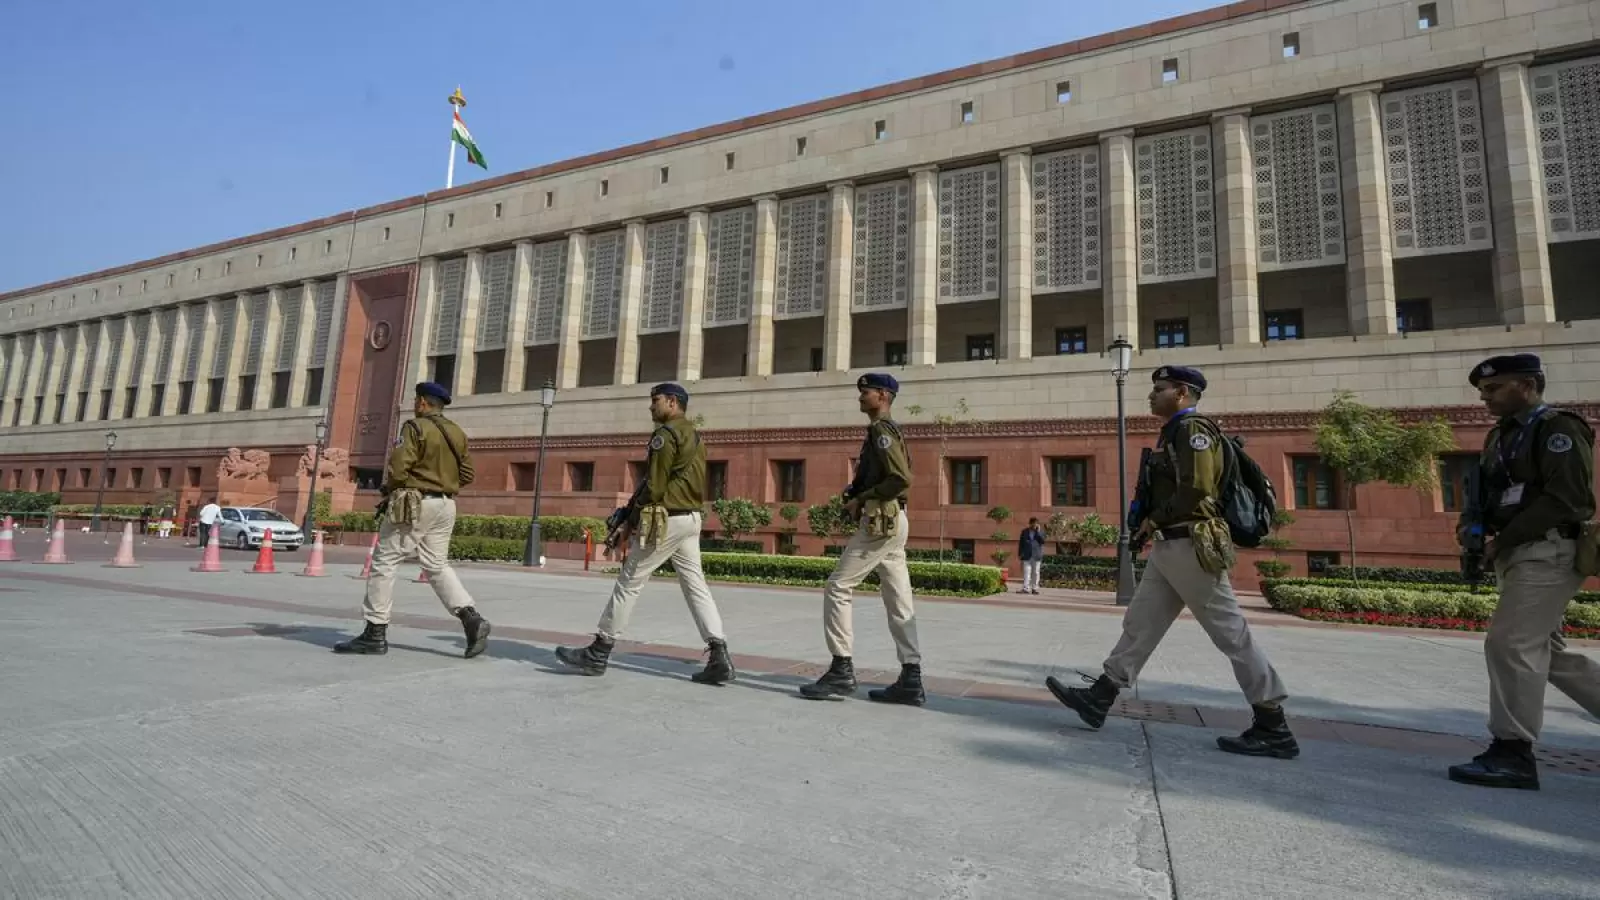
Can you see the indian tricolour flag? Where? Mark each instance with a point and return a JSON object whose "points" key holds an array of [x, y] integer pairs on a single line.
{"points": [[462, 136]]}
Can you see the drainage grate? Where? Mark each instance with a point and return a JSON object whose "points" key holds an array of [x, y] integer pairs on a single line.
{"points": [[1155, 711], [1572, 762], [248, 631]]}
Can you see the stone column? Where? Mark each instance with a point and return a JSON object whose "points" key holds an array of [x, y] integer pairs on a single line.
{"points": [[1119, 239], [1522, 285], [1238, 299], [569, 355], [33, 376], [1368, 238], [271, 335], [691, 334], [147, 369], [208, 356], [922, 312], [97, 369], [1016, 235], [626, 370], [81, 363], [51, 378], [421, 324], [841, 272], [122, 366], [305, 336], [467, 340], [239, 348], [764, 288], [180, 354], [517, 325]]}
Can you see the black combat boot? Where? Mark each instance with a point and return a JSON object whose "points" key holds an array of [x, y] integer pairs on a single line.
{"points": [[590, 660], [477, 629], [837, 683], [1268, 735], [1507, 764], [1091, 703], [906, 690], [373, 639], [719, 667]]}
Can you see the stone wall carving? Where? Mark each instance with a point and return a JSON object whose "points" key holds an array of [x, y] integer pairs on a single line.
{"points": [[246, 465]]}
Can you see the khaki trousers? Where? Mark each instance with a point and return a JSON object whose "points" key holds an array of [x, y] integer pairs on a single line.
{"points": [[861, 555], [1172, 581], [681, 544], [429, 540], [1524, 648]]}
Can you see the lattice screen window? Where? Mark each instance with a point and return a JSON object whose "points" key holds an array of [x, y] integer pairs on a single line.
{"points": [[1177, 229], [802, 273], [1566, 99], [291, 303], [91, 345], [70, 345], [48, 339], [8, 362], [969, 234], [665, 244], [499, 270], [119, 333], [602, 285], [168, 324], [1438, 189], [324, 332], [883, 246], [195, 320], [141, 342], [451, 283], [1066, 220], [227, 318], [730, 266], [257, 319], [1299, 209], [26, 343], [549, 293]]}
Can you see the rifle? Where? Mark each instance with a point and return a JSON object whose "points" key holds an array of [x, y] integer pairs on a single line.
{"points": [[1139, 510], [621, 516], [1472, 535]]}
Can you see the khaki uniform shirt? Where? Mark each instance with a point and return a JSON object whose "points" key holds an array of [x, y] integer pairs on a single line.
{"points": [[430, 456], [883, 470], [676, 467], [1186, 472]]}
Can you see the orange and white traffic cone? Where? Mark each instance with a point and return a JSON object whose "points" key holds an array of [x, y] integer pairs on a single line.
{"points": [[314, 564], [8, 539], [124, 557], [57, 554], [211, 560], [264, 564], [366, 570]]}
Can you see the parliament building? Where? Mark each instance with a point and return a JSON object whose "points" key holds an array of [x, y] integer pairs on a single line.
{"points": [[1299, 197]]}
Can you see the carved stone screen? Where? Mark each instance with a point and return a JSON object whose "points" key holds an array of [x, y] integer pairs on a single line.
{"points": [[451, 282], [194, 317], [802, 273], [291, 302], [23, 349], [69, 347], [324, 332], [1177, 229], [48, 340], [169, 337], [1566, 102], [8, 364], [549, 291], [141, 342], [1066, 220], [91, 344], [497, 277], [1438, 189], [969, 234], [602, 286], [665, 246], [117, 334], [882, 267], [730, 266], [1299, 210]]}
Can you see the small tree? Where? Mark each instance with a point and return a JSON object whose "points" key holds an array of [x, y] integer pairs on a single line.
{"points": [[942, 422], [789, 512], [828, 519], [740, 516], [999, 514], [1058, 528], [1092, 532], [1364, 445]]}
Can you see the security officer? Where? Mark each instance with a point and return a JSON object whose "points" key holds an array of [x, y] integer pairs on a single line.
{"points": [[664, 523], [427, 468], [1536, 491], [1188, 568], [876, 499]]}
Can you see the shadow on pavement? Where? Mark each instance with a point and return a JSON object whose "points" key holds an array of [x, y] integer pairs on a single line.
{"points": [[322, 636]]}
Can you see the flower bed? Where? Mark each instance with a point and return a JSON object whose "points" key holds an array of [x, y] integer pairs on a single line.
{"points": [[1453, 609], [1456, 588], [1447, 624], [957, 579]]}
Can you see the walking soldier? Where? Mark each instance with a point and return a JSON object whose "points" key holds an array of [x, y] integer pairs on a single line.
{"points": [[876, 499], [663, 519], [1535, 492], [428, 466]]}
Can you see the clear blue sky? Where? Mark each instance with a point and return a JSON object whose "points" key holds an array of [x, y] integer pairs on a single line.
{"points": [[140, 129]]}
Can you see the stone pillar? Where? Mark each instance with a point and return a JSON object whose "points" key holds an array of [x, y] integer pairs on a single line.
{"points": [[305, 336], [626, 370], [1016, 235], [97, 369], [180, 354], [1522, 285], [421, 323], [467, 340], [691, 334], [271, 335], [517, 325], [764, 288], [1119, 239], [239, 348], [569, 355], [81, 363], [922, 312], [147, 369], [208, 357], [122, 366], [1368, 238], [1238, 299], [330, 360], [33, 376], [841, 272], [51, 379]]}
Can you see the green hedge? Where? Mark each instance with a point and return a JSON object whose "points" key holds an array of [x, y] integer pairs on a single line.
{"points": [[1404, 575], [84, 510], [1450, 608], [27, 501], [813, 571], [913, 554], [723, 545], [1080, 562], [554, 529], [1489, 590], [486, 549]]}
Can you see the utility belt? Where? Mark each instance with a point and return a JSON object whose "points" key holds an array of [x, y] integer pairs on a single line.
{"points": [[674, 513], [1176, 532], [1565, 532], [437, 495]]}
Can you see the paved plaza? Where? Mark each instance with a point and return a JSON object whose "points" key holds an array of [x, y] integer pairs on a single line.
{"points": [[172, 734]]}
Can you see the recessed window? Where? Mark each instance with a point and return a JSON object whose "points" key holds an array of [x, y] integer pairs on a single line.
{"points": [[791, 478], [1063, 92], [880, 130], [196, 273], [1291, 45], [894, 353], [258, 260], [799, 146], [170, 278], [144, 287], [1316, 485], [327, 246], [1169, 71], [227, 267], [605, 187], [980, 346], [666, 174], [450, 220], [1172, 333], [119, 290], [386, 232], [727, 162], [1069, 481], [96, 297], [1413, 315], [499, 208], [1072, 340], [967, 114], [294, 253], [966, 482], [1455, 473], [1427, 16], [549, 199], [1285, 325]]}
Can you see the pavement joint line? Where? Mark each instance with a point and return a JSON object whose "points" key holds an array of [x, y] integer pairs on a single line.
{"points": [[1384, 737]]}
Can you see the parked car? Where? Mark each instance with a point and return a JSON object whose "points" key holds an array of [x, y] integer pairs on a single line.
{"points": [[245, 526]]}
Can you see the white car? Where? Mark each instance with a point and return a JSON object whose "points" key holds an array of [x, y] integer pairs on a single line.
{"points": [[244, 527]]}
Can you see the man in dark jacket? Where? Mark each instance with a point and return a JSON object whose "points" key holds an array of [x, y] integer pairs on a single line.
{"points": [[1030, 550]]}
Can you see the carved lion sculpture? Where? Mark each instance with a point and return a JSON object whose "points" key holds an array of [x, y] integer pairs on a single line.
{"points": [[335, 463], [247, 465]]}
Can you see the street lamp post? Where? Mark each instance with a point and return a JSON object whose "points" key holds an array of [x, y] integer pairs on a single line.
{"points": [[310, 523], [1121, 362], [532, 552], [105, 467]]}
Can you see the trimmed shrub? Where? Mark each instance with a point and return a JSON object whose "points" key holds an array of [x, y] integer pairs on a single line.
{"points": [[1465, 610], [1403, 575], [1486, 590], [485, 549], [28, 501], [813, 571], [85, 510], [554, 529], [913, 554], [723, 545]]}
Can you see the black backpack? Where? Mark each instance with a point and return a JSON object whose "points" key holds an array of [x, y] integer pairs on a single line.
{"points": [[1249, 501]]}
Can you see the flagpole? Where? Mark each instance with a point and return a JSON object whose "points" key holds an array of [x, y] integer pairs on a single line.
{"points": [[456, 102]]}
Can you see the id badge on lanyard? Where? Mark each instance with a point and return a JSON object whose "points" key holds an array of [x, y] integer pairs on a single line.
{"points": [[1513, 493]]}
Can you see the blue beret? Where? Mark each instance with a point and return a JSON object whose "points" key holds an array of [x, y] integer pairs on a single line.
{"points": [[669, 389], [1515, 364], [1181, 375], [435, 390], [880, 380]]}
